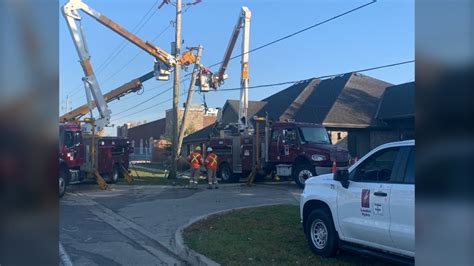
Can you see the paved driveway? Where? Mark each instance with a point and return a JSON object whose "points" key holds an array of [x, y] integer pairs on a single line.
{"points": [[135, 225]]}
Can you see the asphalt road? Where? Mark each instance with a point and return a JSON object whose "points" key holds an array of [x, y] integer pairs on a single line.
{"points": [[135, 225]]}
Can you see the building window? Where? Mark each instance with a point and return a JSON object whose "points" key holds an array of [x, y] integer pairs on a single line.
{"points": [[141, 146], [339, 137]]}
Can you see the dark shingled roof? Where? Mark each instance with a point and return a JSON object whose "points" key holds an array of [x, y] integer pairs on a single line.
{"points": [[230, 110], [321, 100], [397, 102], [357, 103], [279, 103], [346, 101], [201, 134]]}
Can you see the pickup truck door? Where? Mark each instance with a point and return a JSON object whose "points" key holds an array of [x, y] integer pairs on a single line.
{"points": [[402, 205], [363, 208]]}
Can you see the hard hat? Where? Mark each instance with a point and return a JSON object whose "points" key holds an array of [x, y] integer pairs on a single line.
{"points": [[209, 149], [198, 148]]}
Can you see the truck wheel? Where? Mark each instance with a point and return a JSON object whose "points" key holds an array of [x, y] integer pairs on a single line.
{"points": [[62, 182], [322, 237], [302, 173], [115, 175], [225, 173]]}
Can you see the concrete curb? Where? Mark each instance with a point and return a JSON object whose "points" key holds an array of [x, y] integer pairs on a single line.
{"points": [[63, 256], [193, 257]]}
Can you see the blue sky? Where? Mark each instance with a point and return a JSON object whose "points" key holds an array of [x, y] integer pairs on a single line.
{"points": [[379, 34]]}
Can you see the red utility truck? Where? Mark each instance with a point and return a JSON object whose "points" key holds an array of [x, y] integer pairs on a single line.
{"points": [[76, 152], [289, 149]]}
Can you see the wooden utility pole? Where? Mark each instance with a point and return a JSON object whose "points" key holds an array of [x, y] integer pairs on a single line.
{"points": [[177, 43], [188, 100]]}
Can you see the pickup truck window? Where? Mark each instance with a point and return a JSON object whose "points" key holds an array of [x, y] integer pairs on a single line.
{"points": [[313, 135], [410, 171], [376, 168]]}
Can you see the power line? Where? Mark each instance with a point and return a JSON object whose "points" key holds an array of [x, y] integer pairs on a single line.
{"points": [[297, 32], [282, 38], [134, 57], [149, 99], [287, 82], [321, 77], [136, 29], [148, 108]]}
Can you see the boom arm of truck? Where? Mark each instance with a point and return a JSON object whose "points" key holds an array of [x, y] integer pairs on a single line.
{"points": [[129, 87], [207, 79], [163, 60]]}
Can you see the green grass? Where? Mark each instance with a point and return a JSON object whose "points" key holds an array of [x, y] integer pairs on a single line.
{"points": [[270, 235], [143, 177]]}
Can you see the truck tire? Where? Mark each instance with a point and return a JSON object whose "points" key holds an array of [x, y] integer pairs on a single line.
{"points": [[115, 175], [226, 175], [301, 173], [322, 237], [62, 182]]}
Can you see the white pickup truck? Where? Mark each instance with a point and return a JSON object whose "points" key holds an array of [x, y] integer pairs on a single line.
{"points": [[367, 208]]}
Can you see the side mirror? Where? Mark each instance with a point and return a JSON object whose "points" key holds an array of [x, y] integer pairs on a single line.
{"points": [[343, 177]]}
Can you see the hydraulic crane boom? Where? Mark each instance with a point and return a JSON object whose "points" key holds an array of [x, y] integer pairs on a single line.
{"points": [[243, 21], [207, 79], [129, 87], [163, 60]]}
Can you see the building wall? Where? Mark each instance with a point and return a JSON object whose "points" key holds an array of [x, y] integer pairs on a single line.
{"points": [[339, 138], [378, 138], [196, 120]]}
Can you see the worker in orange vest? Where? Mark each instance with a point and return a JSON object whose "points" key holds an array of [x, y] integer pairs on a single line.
{"points": [[195, 160], [211, 166]]}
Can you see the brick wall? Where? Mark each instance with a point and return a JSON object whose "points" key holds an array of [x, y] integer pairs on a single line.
{"points": [[196, 121]]}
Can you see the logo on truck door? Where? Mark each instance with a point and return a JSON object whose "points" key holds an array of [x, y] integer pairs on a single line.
{"points": [[365, 198]]}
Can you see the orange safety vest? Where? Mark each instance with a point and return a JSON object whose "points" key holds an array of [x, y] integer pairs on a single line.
{"points": [[195, 159], [211, 161]]}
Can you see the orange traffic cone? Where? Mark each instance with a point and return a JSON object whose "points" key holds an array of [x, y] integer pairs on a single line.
{"points": [[333, 168]]}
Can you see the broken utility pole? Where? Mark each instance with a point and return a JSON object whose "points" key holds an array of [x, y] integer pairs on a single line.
{"points": [[188, 100], [177, 46]]}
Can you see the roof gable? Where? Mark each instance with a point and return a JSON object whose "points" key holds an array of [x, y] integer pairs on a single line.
{"points": [[357, 103], [317, 106], [397, 102]]}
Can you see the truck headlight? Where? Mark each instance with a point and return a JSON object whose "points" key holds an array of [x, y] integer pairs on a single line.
{"points": [[318, 158]]}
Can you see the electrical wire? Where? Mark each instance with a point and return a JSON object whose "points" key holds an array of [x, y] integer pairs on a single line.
{"points": [[148, 108], [288, 82], [296, 33], [321, 77], [149, 99], [134, 57]]}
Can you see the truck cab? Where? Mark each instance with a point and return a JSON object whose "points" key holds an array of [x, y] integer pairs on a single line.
{"points": [[303, 150], [71, 145], [287, 149], [82, 156]]}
